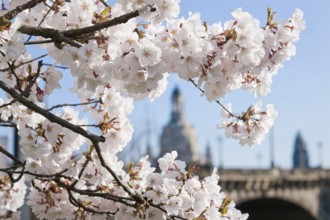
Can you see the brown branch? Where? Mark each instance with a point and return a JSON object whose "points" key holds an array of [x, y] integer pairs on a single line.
{"points": [[90, 125], [80, 205], [68, 36], [12, 71], [136, 196], [26, 62], [38, 175], [74, 105], [28, 88], [97, 27], [88, 157], [12, 157], [5, 19], [57, 37], [7, 104], [163, 210], [115, 198], [217, 101], [50, 116], [104, 3], [38, 42], [7, 125]]}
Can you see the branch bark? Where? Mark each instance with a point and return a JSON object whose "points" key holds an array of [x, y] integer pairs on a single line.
{"points": [[69, 36], [50, 116], [97, 27], [5, 152], [5, 19]]}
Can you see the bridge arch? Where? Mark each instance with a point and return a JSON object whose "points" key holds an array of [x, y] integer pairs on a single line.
{"points": [[274, 209]]}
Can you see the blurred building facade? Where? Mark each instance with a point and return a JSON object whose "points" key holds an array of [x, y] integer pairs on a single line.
{"points": [[178, 134]]}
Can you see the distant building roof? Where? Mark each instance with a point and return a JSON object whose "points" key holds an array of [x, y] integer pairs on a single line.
{"points": [[178, 134]]}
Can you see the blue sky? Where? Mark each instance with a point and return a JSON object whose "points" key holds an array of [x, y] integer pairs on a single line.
{"points": [[300, 91]]}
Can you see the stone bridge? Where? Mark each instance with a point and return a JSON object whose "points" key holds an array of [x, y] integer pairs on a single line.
{"points": [[298, 194]]}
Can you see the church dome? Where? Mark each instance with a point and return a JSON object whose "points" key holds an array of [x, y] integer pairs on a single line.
{"points": [[178, 134]]}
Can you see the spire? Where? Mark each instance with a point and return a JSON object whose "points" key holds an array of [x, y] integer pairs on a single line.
{"points": [[300, 155], [177, 103]]}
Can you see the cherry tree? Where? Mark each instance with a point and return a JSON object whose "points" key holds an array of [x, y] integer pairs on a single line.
{"points": [[116, 54]]}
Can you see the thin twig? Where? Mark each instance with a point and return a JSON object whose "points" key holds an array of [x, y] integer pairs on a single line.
{"points": [[104, 3], [217, 101], [7, 104], [26, 62], [7, 125], [43, 19], [43, 176], [78, 204], [56, 66], [27, 90], [73, 105], [38, 42], [136, 196], [163, 210], [91, 125], [5, 152], [50, 116]]}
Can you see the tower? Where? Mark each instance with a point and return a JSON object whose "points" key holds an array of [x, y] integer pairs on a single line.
{"points": [[178, 134], [300, 155]]}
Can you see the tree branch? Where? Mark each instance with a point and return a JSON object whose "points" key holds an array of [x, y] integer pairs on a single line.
{"points": [[5, 152], [217, 101], [37, 175], [97, 27], [28, 88], [74, 105], [7, 104], [57, 37], [7, 125], [21, 64], [136, 196], [38, 42], [69, 36], [50, 116], [5, 19], [80, 205]]}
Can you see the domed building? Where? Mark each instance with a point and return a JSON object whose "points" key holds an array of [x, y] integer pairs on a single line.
{"points": [[178, 134]]}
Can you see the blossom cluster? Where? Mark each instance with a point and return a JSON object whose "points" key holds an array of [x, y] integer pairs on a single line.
{"points": [[251, 126], [11, 197], [112, 67]]}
